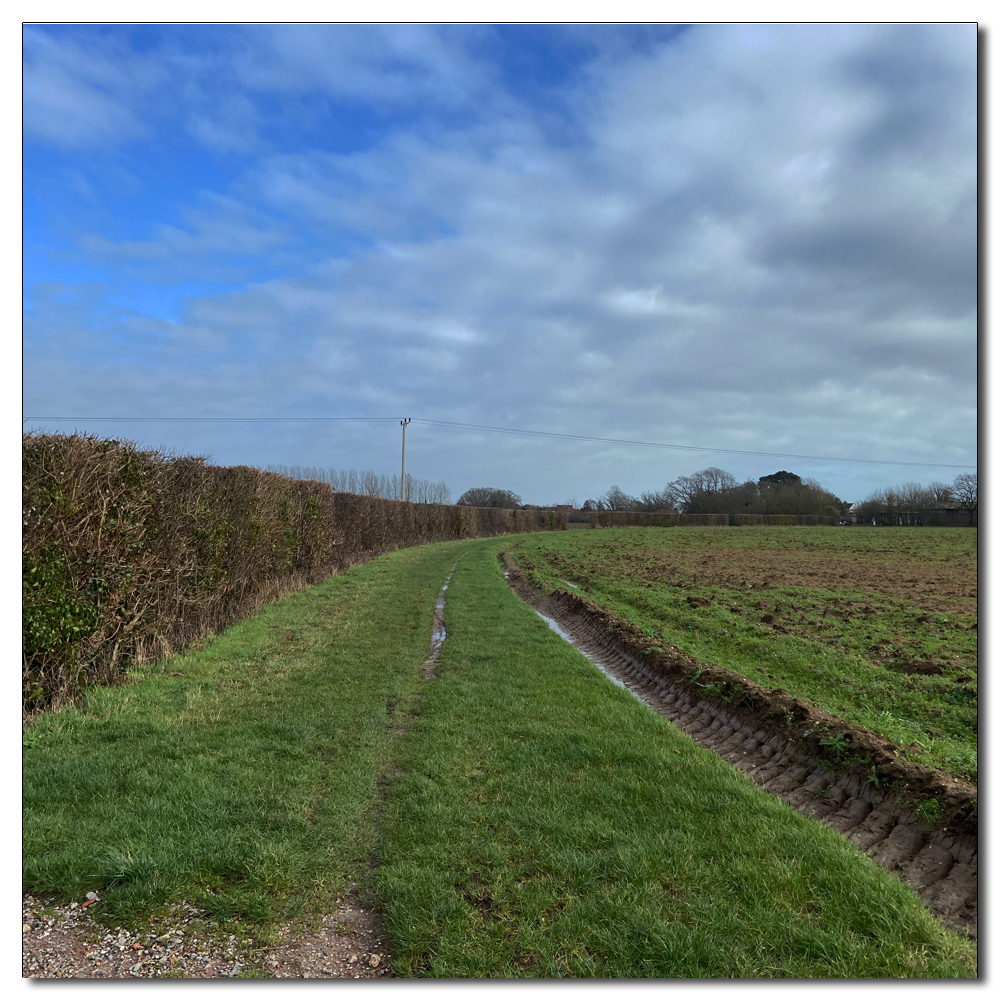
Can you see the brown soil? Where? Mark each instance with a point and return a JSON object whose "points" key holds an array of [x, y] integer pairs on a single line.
{"points": [[938, 586], [864, 790]]}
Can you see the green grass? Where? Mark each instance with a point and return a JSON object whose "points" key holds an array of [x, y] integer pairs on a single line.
{"points": [[242, 775], [544, 823], [844, 648], [534, 821]]}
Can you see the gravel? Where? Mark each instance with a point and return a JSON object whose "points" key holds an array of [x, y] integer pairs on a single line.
{"points": [[65, 941]]}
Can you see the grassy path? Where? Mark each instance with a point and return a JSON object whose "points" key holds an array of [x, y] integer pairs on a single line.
{"points": [[547, 824], [534, 820], [241, 776]]}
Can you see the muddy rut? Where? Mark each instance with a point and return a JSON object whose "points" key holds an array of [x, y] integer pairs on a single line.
{"points": [[775, 740], [439, 631]]}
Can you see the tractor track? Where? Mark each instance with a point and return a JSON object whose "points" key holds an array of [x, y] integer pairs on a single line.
{"points": [[940, 864]]}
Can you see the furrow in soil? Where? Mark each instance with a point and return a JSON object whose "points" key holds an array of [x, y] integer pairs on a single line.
{"points": [[941, 866]]}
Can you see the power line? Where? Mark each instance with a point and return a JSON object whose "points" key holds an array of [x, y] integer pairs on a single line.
{"points": [[519, 431], [688, 447], [223, 420]]}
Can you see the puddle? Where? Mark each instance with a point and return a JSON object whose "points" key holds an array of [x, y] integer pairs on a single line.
{"points": [[575, 586], [562, 633], [439, 633]]}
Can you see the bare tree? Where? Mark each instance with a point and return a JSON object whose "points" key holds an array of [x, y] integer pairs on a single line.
{"points": [[943, 493], [967, 493], [657, 500], [702, 492], [438, 493], [368, 483], [899, 505], [617, 499]]}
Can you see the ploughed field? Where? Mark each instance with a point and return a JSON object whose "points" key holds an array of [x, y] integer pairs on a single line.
{"points": [[877, 626]]}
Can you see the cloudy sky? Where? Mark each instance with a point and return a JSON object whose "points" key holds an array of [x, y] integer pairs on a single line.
{"points": [[749, 238]]}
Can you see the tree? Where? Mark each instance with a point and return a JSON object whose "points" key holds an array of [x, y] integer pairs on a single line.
{"points": [[489, 496], [780, 477], [653, 500], [368, 483], [617, 499], [873, 508], [914, 498], [905, 504], [967, 494], [943, 493], [703, 492], [786, 493]]}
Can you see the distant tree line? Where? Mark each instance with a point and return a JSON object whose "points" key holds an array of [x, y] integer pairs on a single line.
{"points": [[715, 491], [910, 503], [368, 483]]}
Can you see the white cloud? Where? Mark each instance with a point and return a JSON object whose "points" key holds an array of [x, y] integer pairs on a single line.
{"points": [[749, 247], [85, 87], [75, 95], [227, 125], [219, 236], [387, 66]]}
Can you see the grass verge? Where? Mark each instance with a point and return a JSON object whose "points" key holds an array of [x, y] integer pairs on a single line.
{"points": [[544, 823]]}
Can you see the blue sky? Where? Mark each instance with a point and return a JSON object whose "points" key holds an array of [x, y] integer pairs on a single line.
{"points": [[757, 237]]}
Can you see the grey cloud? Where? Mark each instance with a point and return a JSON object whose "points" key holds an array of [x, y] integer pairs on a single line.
{"points": [[728, 260], [897, 263]]}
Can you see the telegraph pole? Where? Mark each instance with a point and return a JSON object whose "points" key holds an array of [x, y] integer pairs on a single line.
{"points": [[402, 474]]}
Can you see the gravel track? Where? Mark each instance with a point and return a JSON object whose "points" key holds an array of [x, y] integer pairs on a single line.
{"points": [[66, 942], [941, 866]]}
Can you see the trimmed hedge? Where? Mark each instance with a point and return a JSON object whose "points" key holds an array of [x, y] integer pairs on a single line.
{"points": [[639, 519], [131, 554]]}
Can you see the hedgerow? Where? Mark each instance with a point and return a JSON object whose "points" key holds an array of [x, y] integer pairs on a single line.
{"points": [[130, 554]]}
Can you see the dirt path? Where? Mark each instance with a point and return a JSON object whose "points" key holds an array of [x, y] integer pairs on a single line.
{"points": [[940, 864]]}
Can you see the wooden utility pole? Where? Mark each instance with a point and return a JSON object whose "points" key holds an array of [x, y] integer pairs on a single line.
{"points": [[402, 474]]}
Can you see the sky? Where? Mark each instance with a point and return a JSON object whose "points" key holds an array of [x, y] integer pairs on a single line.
{"points": [[731, 238]]}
